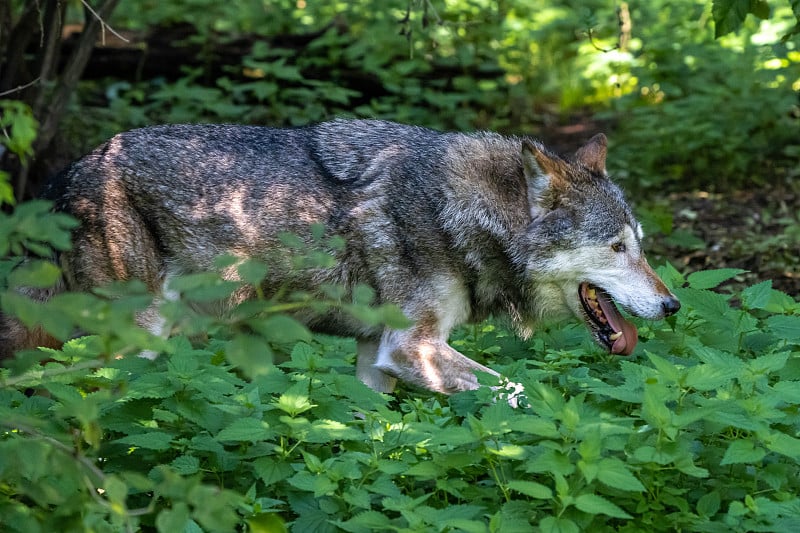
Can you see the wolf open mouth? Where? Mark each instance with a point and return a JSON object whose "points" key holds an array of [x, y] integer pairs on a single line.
{"points": [[608, 326]]}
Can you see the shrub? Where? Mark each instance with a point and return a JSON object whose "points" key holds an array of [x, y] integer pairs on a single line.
{"points": [[700, 432]]}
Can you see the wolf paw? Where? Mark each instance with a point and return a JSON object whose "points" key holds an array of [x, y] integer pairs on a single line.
{"points": [[511, 392]]}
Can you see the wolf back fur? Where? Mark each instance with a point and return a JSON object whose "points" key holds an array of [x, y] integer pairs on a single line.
{"points": [[451, 227]]}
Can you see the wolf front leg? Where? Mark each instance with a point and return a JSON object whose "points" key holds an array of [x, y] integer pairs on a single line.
{"points": [[367, 372], [428, 362]]}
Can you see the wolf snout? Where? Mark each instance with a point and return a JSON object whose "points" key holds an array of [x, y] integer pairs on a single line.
{"points": [[670, 305]]}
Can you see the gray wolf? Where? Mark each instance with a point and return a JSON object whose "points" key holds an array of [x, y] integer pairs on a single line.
{"points": [[451, 227]]}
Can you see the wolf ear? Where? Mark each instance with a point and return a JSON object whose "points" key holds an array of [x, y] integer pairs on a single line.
{"points": [[592, 155], [543, 173]]}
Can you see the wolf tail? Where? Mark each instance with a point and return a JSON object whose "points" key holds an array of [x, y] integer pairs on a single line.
{"points": [[15, 336]]}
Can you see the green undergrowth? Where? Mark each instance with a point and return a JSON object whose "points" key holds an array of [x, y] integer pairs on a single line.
{"points": [[263, 426]]}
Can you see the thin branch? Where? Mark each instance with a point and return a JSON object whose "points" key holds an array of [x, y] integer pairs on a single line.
{"points": [[589, 33], [624, 37], [104, 24], [88, 464], [60, 446], [51, 25], [16, 43], [46, 374], [20, 88], [69, 78]]}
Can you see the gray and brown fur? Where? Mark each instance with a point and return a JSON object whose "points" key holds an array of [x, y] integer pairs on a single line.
{"points": [[451, 227]]}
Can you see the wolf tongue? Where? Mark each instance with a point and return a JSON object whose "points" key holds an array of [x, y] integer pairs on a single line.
{"points": [[626, 342]]}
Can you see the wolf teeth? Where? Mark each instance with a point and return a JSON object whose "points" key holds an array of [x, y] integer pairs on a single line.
{"points": [[591, 293], [615, 336]]}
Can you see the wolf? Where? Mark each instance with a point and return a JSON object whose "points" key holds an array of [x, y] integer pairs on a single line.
{"points": [[451, 227]]}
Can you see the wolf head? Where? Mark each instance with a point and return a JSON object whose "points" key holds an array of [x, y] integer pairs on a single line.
{"points": [[585, 246]]}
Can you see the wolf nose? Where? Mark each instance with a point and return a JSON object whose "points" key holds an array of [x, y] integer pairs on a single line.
{"points": [[671, 305]]}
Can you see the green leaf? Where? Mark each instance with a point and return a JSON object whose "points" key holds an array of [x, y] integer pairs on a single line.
{"points": [[322, 431], [757, 296], [531, 488], [786, 327], [17, 119], [173, 519], [743, 451], [654, 409], [551, 461], [280, 329], [667, 371], [116, 490], [615, 473], [34, 273], [706, 377], [534, 425], [594, 504], [6, 194], [272, 470], [252, 271], [425, 470], [154, 440], [507, 450], [150, 386], [649, 454], [788, 391], [768, 364], [708, 304], [708, 279], [462, 524], [293, 403], [318, 484], [366, 521], [783, 444], [246, 430], [719, 359], [729, 15], [32, 313], [251, 354], [670, 275], [203, 287], [266, 523], [306, 357], [552, 524], [453, 436], [186, 465], [685, 464], [392, 316], [709, 504], [760, 8], [363, 295], [358, 497]]}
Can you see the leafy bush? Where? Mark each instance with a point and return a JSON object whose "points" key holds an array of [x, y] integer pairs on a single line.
{"points": [[18, 133], [689, 111], [699, 433], [712, 115]]}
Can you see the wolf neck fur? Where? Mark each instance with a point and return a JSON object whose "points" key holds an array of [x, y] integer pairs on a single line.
{"points": [[487, 237]]}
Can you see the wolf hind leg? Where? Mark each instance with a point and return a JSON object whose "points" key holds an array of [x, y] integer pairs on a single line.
{"points": [[367, 372], [14, 335], [151, 318], [428, 362]]}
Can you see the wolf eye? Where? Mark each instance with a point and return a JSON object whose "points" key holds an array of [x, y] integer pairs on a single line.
{"points": [[619, 247]]}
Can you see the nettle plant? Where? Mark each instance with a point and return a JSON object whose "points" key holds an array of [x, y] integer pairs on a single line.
{"points": [[253, 423]]}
